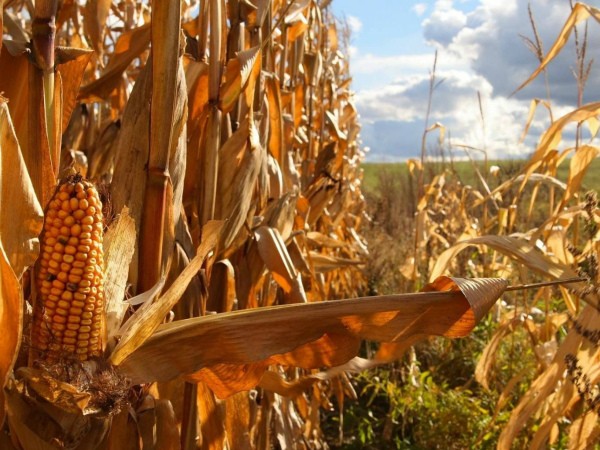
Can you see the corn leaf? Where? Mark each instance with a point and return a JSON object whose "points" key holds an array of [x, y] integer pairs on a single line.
{"points": [[553, 135], [94, 19], [11, 317], [519, 250], [18, 201], [578, 168], [253, 336], [71, 64], [240, 78], [129, 46], [273, 252]]}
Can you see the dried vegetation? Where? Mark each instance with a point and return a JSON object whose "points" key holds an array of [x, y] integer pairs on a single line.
{"points": [[537, 359], [223, 138]]}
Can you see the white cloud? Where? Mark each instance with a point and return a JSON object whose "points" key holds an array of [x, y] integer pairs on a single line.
{"points": [[376, 71], [491, 40], [354, 23], [479, 51], [419, 8], [406, 99], [396, 64], [393, 116]]}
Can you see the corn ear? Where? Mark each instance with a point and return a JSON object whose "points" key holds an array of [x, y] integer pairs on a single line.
{"points": [[69, 310]]}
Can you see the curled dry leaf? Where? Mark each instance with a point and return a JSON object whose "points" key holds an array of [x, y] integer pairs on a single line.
{"points": [[222, 293], [584, 432], [71, 64], [129, 178], [324, 263], [15, 87], [167, 434], [273, 252], [237, 421], [322, 240], [255, 337], [240, 78], [19, 245], [123, 434], [60, 394], [240, 161], [94, 19], [553, 135], [60, 421], [532, 108], [212, 428], [518, 249]]}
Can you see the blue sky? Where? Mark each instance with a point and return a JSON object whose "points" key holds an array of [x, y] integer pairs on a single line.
{"points": [[386, 25], [383, 28], [480, 55]]}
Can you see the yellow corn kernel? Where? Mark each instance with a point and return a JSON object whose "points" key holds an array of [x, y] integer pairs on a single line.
{"points": [[60, 315], [63, 276], [73, 203]]}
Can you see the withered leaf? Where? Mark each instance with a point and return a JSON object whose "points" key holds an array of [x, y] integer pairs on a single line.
{"points": [[254, 336]]}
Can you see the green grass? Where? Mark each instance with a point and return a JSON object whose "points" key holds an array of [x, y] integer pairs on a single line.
{"points": [[465, 171]]}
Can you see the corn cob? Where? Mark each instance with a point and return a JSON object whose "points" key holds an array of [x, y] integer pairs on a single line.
{"points": [[69, 312]]}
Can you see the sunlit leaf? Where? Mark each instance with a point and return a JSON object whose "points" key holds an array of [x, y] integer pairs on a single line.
{"points": [[519, 250], [240, 77], [129, 46], [252, 336], [19, 204], [579, 165], [11, 317]]}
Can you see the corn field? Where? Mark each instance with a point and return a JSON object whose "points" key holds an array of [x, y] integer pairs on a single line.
{"points": [[182, 236]]}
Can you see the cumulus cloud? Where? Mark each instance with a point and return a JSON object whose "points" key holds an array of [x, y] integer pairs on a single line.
{"points": [[370, 63], [492, 39], [480, 51], [393, 117], [444, 23], [376, 71], [406, 99]]}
